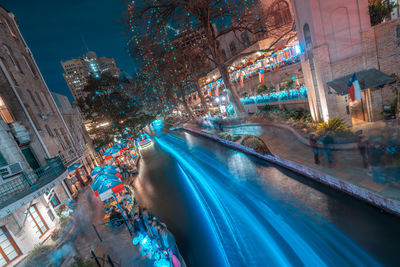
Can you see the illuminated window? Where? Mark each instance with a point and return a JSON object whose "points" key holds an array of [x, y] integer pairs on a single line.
{"points": [[12, 58], [4, 113], [36, 220], [281, 13]]}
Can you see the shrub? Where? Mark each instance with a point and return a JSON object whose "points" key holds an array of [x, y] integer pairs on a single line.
{"points": [[37, 252], [256, 143], [229, 137], [335, 127]]}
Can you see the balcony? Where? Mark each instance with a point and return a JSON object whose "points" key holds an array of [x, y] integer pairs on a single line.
{"points": [[16, 192], [70, 156]]}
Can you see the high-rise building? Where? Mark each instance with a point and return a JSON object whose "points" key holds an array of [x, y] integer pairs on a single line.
{"points": [[77, 71]]}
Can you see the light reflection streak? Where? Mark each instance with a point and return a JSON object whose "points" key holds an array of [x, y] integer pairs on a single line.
{"points": [[252, 227]]}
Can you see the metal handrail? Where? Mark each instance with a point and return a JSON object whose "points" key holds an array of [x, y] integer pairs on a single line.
{"points": [[29, 182]]}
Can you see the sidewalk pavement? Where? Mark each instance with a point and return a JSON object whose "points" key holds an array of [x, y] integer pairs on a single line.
{"points": [[81, 238], [348, 164]]}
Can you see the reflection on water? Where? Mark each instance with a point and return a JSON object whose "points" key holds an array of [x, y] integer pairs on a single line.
{"points": [[226, 208]]}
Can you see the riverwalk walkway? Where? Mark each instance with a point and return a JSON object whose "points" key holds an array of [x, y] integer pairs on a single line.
{"points": [[347, 166]]}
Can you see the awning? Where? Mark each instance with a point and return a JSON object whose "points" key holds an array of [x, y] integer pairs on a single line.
{"points": [[74, 167], [367, 78]]}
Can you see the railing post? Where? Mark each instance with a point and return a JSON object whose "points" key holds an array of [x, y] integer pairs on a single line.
{"points": [[29, 181]]}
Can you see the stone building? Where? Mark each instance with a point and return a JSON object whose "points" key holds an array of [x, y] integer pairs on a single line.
{"points": [[244, 48], [77, 71], [338, 41], [36, 149]]}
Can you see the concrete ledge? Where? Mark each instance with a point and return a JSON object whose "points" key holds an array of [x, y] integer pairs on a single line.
{"points": [[361, 193], [304, 141]]}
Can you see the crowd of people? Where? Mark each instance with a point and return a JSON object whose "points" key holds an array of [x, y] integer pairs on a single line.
{"points": [[378, 157], [149, 233], [154, 239]]}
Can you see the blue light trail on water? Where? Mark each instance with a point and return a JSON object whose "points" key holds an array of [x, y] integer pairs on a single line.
{"points": [[251, 227]]}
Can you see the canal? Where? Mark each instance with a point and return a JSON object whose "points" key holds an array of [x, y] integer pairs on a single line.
{"points": [[226, 208]]}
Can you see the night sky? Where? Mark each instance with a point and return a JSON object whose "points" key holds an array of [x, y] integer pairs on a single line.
{"points": [[54, 29]]}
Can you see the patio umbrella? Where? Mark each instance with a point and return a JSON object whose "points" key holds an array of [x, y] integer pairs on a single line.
{"points": [[105, 185], [111, 153], [74, 167], [110, 169]]}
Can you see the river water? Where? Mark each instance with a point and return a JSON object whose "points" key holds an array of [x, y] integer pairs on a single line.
{"points": [[229, 209]]}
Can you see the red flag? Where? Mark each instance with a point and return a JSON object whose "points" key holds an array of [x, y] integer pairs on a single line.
{"points": [[261, 75]]}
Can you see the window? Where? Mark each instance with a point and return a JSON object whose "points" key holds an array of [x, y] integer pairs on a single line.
{"points": [[281, 13], [40, 98], [307, 36], [62, 131], [33, 98], [232, 47], [48, 102], [36, 220], [4, 113], [49, 130], [60, 141], [12, 58], [245, 38], [9, 250], [10, 30], [3, 161], [30, 66], [55, 201], [33, 118], [30, 157], [8, 71]]}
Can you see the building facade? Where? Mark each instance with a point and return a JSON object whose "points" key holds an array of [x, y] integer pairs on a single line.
{"points": [[338, 40], [36, 149], [78, 70], [246, 54]]}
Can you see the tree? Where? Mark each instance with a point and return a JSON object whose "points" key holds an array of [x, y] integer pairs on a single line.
{"points": [[159, 16], [112, 110], [379, 10]]}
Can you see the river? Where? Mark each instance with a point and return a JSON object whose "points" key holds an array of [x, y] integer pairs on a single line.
{"points": [[226, 208]]}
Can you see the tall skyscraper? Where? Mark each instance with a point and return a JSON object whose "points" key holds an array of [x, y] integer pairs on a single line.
{"points": [[77, 71]]}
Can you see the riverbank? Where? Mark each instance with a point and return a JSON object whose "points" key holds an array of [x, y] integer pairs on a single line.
{"points": [[292, 154]]}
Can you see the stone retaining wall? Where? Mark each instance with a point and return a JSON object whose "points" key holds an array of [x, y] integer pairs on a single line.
{"points": [[364, 194]]}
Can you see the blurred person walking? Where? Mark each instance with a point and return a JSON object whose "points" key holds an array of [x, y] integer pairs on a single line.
{"points": [[327, 141], [314, 147]]}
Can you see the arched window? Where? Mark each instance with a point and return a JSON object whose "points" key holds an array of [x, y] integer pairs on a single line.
{"points": [[30, 66], [281, 13], [232, 47], [224, 54], [7, 69], [12, 58], [245, 38], [32, 97]]}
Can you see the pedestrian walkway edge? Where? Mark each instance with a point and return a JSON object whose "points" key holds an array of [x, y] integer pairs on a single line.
{"points": [[304, 141], [389, 205]]}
